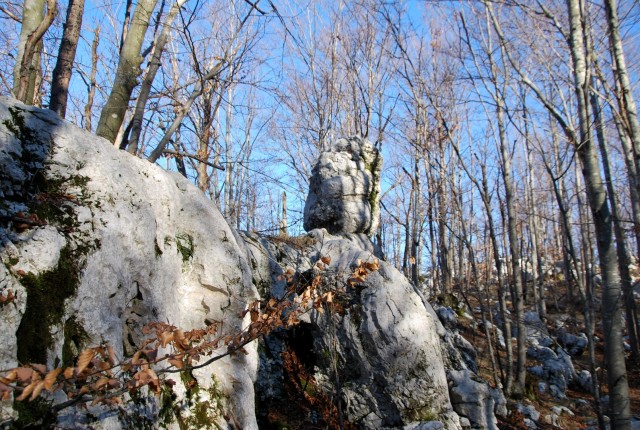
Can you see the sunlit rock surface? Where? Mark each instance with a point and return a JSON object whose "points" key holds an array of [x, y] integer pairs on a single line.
{"points": [[113, 242], [344, 189], [381, 351]]}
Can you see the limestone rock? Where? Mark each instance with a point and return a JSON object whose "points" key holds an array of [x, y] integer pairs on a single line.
{"points": [[384, 345], [473, 399], [556, 368], [116, 242], [344, 189]]}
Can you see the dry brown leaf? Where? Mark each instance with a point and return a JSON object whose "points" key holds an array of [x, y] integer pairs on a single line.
{"points": [[85, 358], [135, 360], [12, 375], [151, 354], [180, 339], [326, 259], [166, 337], [176, 362], [51, 378], [27, 391], [374, 265], [68, 372], [98, 400], [112, 355], [24, 374], [102, 382], [328, 297], [36, 391]]}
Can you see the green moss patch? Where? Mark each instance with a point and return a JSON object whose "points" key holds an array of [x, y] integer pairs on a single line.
{"points": [[46, 294], [75, 340], [184, 244]]}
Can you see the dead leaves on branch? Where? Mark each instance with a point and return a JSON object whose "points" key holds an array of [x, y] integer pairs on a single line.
{"points": [[362, 270], [99, 377]]}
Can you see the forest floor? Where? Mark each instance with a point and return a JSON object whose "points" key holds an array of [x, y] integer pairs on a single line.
{"points": [[577, 400]]}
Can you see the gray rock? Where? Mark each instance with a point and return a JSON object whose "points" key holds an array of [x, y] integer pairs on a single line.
{"points": [[537, 333], [528, 411], [344, 189], [552, 419], [385, 344], [429, 425], [584, 380], [473, 399], [575, 345], [500, 402], [559, 410], [447, 316], [136, 244], [556, 368]]}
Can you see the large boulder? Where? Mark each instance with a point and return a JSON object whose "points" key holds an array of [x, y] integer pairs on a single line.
{"points": [[344, 189], [379, 351], [96, 243]]}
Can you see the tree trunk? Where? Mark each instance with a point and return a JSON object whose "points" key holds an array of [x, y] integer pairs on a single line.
{"points": [[88, 107], [502, 295], [625, 96], [514, 251], [66, 55], [597, 195], [32, 15], [621, 246], [152, 70], [27, 69], [112, 115]]}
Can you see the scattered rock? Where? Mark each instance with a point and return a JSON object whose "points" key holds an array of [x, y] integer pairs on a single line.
{"points": [[447, 316], [528, 411], [555, 368], [575, 345]]}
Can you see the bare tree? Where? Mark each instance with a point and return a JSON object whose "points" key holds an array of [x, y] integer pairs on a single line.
{"points": [[113, 113], [66, 55], [27, 68]]}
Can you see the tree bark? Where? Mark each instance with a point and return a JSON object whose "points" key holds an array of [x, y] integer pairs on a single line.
{"points": [[29, 65], [625, 96], [152, 70], [88, 107], [597, 196], [112, 115], [32, 15], [66, 56]]}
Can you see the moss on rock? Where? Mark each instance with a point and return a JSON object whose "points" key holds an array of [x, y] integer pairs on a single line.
{"points": [[46, 294]]}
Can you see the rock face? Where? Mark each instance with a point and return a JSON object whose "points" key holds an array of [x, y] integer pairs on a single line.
{"points": [[110, 243], [95, 243], [380, 353], [344, 190]]}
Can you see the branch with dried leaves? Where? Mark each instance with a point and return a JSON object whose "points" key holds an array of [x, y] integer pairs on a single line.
{"points": [[100, 378]]}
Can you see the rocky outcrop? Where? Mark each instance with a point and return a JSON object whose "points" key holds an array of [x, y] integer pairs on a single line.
{"points": [[344, 189], [96, 243], [379, 352]]}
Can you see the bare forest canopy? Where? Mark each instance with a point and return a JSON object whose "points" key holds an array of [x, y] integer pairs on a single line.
{"points": [[509, 129]]}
